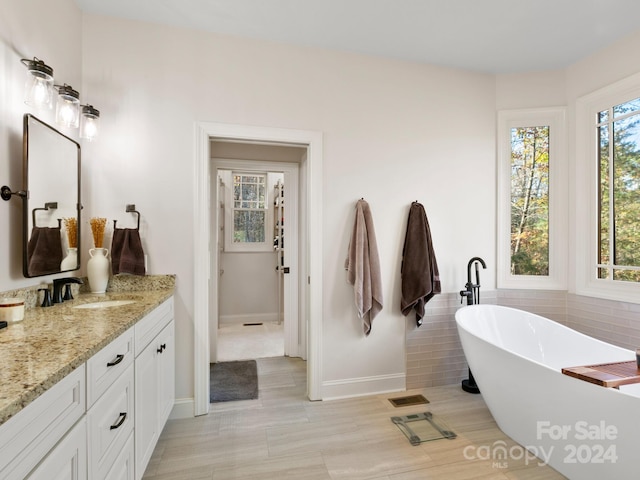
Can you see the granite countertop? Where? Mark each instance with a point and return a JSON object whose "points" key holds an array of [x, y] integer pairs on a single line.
{"points": [[51, 342]]}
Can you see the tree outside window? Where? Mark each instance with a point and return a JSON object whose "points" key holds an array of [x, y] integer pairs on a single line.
{"points": [[618, 131], [249, 208], [530, 200]]}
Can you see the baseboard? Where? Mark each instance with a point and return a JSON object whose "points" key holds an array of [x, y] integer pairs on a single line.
{"points": [[248, 318], [359, 387], [182, 408]]}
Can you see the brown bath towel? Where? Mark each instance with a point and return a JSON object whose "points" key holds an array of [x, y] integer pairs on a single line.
{"points": [[419, 271], [363, 266], [127, 255], [44, 251]]}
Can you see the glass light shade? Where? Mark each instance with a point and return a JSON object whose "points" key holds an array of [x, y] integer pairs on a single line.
{"points": [[89, 123], [38, 88], [68, 107]]}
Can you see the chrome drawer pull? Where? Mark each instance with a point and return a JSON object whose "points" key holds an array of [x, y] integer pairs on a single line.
{"points": [[116, 361], [122, 418]]}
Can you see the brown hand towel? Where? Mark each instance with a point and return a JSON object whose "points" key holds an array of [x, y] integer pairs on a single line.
{"points": [[419, 271], [44, 251], [127, 255], [363, 266]]}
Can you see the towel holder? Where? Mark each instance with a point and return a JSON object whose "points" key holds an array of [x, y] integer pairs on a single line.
{"points": [[47, 206], [131, 208]]}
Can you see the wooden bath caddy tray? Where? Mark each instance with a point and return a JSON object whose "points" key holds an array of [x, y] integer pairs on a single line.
{"points": [[607, 374]]}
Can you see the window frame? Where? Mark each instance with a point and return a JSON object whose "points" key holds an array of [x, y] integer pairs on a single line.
{"points": [[238, 247], [555, 118], [587, 192]]}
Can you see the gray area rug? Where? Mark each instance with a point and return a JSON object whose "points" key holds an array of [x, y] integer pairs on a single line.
{"points": [[229, 381]]}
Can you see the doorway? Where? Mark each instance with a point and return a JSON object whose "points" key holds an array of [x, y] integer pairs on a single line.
{"points": [[255, 187], [310, 263]]}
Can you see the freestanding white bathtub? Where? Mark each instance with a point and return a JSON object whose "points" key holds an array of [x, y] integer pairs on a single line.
{"points": [[583, 430]]}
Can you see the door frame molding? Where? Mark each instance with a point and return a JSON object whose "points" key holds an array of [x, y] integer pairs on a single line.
{"points": [[311, 249]]}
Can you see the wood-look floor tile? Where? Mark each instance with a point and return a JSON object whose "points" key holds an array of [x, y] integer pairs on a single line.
{"points": [[453, 471], [372, 459], [255, 419], [220, 448], [282, 435], [185, 473], [293, 467], [313, 437]]}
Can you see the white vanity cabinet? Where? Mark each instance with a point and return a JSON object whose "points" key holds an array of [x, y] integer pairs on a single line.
{"points": [[154, 380], [101, 421]]}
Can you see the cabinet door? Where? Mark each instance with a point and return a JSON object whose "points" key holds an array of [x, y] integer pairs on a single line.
{"points": [[68, 460], [123, 466], [27, 438], [146, 410], [166, 374]]}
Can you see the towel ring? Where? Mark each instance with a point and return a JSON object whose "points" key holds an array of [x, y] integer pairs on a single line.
{"points": [[47, 206], [131, 208]]}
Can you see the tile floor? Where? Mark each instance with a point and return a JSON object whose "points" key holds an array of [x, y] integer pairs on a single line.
{"points": [[246, 342], [282, 435]]}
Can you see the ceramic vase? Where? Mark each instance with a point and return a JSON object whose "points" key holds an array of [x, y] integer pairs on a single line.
{"points": [[70, 262], [98, 270]]}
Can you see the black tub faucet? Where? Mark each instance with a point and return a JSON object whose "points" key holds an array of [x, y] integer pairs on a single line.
{"points": [[472, 290], [58, 283], [472, 293]]}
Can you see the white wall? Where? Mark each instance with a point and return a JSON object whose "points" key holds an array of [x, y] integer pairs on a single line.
{"points": [[29, 29], [248, 286], [394, 132]]}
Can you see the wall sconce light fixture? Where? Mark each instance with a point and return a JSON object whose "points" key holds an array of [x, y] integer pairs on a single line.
{"points": [[39, 93], [38, 89], [67, 106], [89, 123]]}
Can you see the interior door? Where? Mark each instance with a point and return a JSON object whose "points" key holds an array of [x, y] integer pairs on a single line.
{"points": [[291, 264]]}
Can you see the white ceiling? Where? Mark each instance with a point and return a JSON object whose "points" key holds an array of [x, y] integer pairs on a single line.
{"points": [[494, 36]]}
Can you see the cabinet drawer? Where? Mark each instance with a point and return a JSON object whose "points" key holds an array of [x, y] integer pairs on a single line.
{"points": [[110, 422], [107, 365], [151, 325], [26, 438]]}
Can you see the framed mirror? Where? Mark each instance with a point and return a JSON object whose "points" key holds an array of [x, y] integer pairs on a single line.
{"points": [[51, 206]]}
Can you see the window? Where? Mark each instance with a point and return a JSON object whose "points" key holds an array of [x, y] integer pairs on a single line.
{"points": [[532, 202], [608, 192], [247, 215], [249, 208], [618, 157]]}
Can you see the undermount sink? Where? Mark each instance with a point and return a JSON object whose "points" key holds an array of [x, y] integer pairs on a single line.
{"points": [[105, 304]]}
